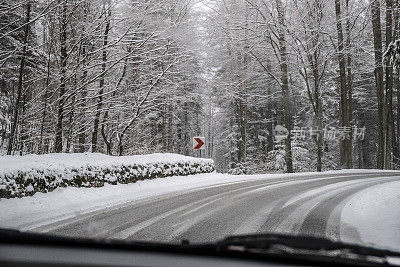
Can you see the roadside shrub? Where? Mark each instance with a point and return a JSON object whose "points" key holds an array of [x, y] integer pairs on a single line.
{"points": [[28, 181]]}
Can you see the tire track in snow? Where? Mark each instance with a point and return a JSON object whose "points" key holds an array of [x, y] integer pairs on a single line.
{"points": [[215, 211], [322, 221], [168, 222], [195, 224]]}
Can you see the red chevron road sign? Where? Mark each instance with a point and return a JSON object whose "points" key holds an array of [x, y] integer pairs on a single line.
{"points": [[198, 142]]}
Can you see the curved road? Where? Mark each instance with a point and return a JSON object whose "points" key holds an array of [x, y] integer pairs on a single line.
{"points": [[308, 205]]}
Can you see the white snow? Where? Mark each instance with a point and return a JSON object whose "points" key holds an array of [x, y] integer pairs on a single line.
{"points": [[29, 188], [32, 211], [56, 161], [42, 208], [375, 215], [374, 212], [12, 164], [21, 175]]}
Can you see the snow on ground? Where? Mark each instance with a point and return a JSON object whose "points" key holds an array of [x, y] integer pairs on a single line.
{"points": [[375, 214], [32, 211], [62, 203]]}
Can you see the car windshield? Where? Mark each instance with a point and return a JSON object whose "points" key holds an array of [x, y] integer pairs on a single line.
{"points": [[198, 120]]}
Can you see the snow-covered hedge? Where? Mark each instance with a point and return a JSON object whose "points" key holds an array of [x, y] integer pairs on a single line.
{"points": [[26, 175]]}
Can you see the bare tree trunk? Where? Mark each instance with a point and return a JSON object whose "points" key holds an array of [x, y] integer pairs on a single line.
{"points": [[120, 145], [396, 83], [20, 81], [285, 85], [82, 127], [70, 126], [23, 133], [243, 93], [81, 106], [241, 131], [60, 115], [242, 115], [44, 146], [343, 87], [376, 27], [270, 127], [164, 127], [389, 86], [42, 123], [349, 87], [170, 129], [101, 85], [319, 115], [397, 149], [107, 141]]}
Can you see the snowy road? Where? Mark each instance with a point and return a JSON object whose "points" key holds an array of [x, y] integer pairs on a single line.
{"points": [[309, 205]]}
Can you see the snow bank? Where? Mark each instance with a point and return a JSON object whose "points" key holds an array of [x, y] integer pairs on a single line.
{"points": [[375, 214], [26, 175]]}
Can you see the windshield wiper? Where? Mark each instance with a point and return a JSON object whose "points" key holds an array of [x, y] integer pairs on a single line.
{"points": [[268, 247], [306, 246]]}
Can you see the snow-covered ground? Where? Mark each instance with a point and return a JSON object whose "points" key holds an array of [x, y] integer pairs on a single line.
{"points": [[375, 213], [32, 211]]}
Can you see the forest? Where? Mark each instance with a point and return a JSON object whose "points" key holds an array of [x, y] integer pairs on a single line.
{"points": [[128, 77]]}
